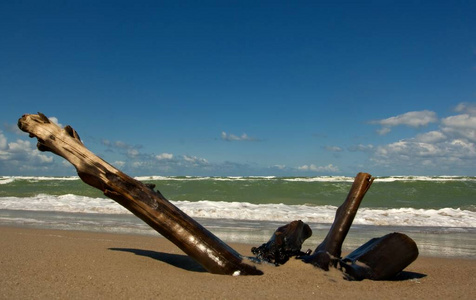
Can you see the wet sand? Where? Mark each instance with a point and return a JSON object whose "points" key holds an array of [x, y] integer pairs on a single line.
{"points": [[58, 264]]}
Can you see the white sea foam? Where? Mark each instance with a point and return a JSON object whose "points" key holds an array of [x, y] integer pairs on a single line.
{"points": [[6, 180], [321, 179], [445, 217], [196, 178], [311, 179], [381, 179], [424, 178], [9, 179], [157, 178], [63, 203]]}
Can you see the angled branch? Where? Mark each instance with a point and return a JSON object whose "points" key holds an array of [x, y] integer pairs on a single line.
{"points": [[329, 251]]}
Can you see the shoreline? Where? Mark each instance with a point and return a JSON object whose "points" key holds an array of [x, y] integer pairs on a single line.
{"points": [[432, 241], [51, 263]]}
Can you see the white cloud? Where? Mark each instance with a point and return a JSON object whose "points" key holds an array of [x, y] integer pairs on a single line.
{"points": [[412, 119], [431, 137], [463, 125], [55, 120], [445, 155], [383, 130], [464, 121], [469, 108], [132, 152], [195, 160], [409, 149], [164, 156], [232, 137], [23, 152], [19, 146], [329, 168]]}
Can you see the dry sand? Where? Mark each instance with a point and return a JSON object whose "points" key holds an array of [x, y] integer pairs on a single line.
{"points": [[55, 264]]}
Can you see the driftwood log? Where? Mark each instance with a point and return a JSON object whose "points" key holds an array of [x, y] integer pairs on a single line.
{"points": [[329, 251], [378, 259], [149, 205]]}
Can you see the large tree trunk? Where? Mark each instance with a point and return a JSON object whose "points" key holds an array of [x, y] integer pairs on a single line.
{"points": [[147, 204]]}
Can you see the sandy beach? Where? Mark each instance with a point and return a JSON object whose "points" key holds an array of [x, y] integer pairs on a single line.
{"points": [[57, 264]]}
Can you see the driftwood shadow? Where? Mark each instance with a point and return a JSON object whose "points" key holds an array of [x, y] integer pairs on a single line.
{"points": [[177, 260], [406, 275]]}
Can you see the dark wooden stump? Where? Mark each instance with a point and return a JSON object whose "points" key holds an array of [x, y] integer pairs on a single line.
{"points": [[380, 258], [286, 242]]}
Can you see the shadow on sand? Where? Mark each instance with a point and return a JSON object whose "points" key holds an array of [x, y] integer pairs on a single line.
{"points": [[187, 263], [404, 275], [177, 260]]}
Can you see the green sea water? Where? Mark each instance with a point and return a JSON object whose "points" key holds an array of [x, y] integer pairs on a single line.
{"points": [[386, 192]]}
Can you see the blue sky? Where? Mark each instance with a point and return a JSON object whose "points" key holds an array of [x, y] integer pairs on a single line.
{"points": [[232, 88]]}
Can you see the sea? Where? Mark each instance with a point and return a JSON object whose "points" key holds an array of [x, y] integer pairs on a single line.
{"points": [[438, 212]]}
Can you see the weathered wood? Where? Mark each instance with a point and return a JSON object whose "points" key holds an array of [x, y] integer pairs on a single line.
{"points": [[329, 251], [380, 258], [285, 242], [150, 206]]}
